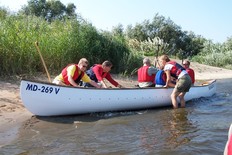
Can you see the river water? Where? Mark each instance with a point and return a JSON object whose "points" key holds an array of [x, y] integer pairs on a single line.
{"points": [[200, 128]]}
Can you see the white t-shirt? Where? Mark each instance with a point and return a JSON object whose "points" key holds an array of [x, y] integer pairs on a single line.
{"points": [[169, 67]]}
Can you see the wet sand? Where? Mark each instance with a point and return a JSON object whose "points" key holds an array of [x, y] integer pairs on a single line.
{"points": [[13, 114]]}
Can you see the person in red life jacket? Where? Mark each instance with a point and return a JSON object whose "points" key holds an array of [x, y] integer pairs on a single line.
{"points": [[98, 72], [146, 74], [183, 82], [73, 74], [186, 64]]}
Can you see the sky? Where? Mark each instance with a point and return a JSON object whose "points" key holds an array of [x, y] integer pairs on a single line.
{"points": [[208, 18]]}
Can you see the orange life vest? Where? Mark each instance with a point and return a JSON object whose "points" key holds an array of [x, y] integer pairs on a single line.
{"points": [[191, 74], [76, 77], [143, 75], [176, 69]]}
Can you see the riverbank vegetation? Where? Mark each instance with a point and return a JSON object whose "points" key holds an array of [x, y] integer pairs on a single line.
{"points": [[65, 37]]}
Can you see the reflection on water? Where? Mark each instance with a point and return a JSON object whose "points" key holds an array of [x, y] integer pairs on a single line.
{"points": [[200, 128], [178, 126], [147, 139]]}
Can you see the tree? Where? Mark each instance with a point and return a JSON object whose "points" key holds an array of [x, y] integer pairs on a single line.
{"points": [[49, 10], [35, 7], [137, 32], [70, 10], [55, 10], [118, 30], [180, 43], [228, 43]]}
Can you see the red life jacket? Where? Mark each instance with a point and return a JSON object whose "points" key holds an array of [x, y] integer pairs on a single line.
{"points": [[143, 75], [176, 69], [76, 77], [191, 74]]}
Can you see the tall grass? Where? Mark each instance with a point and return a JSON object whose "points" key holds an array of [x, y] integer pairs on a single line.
{"points": [[218, 55], [61, 43]]}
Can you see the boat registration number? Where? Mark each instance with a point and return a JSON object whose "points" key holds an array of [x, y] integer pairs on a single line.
{"points": [[42, 89]]}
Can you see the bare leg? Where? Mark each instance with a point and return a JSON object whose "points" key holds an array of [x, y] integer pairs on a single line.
{"points": [[174, 98], [182, 101]]}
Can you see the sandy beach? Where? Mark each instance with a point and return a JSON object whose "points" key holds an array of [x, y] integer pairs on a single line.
{"points": [[13, 113]]}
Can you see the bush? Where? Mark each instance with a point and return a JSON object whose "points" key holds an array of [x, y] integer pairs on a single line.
{"points": [[60, 42]]}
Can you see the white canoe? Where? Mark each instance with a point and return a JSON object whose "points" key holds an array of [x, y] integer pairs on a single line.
{"points": [[46, 99]]}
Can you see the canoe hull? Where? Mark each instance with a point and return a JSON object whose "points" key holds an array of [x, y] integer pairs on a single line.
{"points": [[46, 99]]}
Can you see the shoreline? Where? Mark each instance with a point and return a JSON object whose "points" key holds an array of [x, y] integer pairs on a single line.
{"points": [[13, 114]]}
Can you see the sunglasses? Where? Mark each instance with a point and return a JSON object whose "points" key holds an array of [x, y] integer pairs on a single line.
{"points": [[185, 64], [84, 66]]}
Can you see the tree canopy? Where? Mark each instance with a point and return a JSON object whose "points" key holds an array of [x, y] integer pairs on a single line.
{"points": [[180, 43], [49, 10]]}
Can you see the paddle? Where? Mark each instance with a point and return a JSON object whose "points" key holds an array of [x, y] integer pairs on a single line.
{"points": [[41, 57], [157, 53]]}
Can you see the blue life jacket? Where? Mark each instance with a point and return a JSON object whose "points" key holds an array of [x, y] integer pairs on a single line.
{"points": [[91, 74], [160, 78]]}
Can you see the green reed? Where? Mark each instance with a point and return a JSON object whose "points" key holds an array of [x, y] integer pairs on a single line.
{"points": [[60, 42]]}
